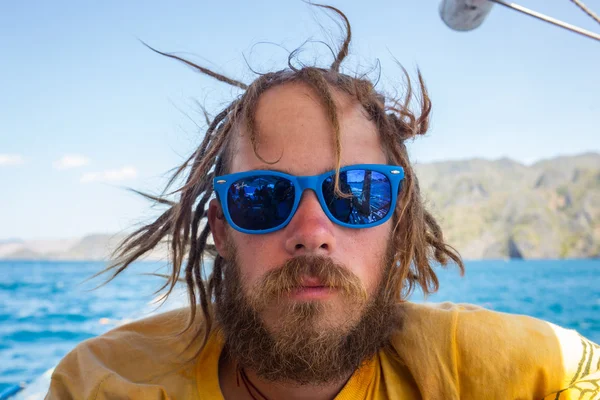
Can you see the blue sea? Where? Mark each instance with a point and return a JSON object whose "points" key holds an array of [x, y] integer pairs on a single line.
{"points": [[46, 308]]}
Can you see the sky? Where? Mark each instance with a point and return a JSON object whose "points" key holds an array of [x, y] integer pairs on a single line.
{"points": [[86, 111]]}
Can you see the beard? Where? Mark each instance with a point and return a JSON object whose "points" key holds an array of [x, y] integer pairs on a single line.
{"points": [[304, 342]]}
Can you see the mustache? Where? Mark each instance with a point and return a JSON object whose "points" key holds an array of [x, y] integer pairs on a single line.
{"points": [[283, 280]]}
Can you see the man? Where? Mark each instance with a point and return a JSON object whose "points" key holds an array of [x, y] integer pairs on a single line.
{"points": [[319, 235]]}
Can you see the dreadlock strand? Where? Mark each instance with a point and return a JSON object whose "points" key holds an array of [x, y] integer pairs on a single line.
{"points": [[192, 254], [201, 170], [199, 152], [437, 237], [443, 250], [196, 244], [205, 71], [346, 44], [262, 84], [204, 304], [423, 120], [194, 280], [213, 127], [217, 277], [132, 248]]}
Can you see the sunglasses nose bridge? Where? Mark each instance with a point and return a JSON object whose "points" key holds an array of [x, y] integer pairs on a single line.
{"points": [[307, 182]]}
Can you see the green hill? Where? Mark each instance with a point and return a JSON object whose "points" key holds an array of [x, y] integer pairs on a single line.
{"points": [[500, 209]]}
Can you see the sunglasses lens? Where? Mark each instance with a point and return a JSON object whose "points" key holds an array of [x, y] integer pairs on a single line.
{"points": [[260, 202], [368, 196]]}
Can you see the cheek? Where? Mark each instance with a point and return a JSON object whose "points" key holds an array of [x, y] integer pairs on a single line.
{"points": [[255, 255], [366, 254]]}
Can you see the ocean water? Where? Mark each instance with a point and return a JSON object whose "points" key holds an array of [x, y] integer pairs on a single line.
{"points": [[46, 308]]}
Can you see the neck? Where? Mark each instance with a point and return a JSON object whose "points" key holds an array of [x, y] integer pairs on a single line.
{"points": [[233, 387]]}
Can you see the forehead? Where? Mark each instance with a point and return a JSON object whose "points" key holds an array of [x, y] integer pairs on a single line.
{"points": [[294, 133]]}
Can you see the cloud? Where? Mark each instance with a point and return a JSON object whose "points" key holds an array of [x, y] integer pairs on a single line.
{"points": [[11, 159], [111, 175], [71, 161]]}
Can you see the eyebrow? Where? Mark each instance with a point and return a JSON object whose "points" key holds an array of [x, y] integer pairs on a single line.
{"points": [[287, 171], [282, 170]]}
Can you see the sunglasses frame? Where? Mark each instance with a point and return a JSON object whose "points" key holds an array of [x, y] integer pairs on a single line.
{"points": [[221, 185]]}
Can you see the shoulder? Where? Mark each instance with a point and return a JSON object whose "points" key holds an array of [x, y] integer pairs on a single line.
{"points": [[154, 340], [482, 351], [152, 351], [467, 326]]}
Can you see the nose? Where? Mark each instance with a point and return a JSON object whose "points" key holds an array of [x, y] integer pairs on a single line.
{"points": [[310, 232]]}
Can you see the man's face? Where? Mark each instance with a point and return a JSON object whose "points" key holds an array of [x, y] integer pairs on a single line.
{"points": [[292, 128]]}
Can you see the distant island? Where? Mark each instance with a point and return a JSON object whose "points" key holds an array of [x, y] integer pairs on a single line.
{"points": [[487, 209], [96, 247]]}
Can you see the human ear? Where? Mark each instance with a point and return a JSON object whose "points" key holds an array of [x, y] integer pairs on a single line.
{"points": [[218, 226]]}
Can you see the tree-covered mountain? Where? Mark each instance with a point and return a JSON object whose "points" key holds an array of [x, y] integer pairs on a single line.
{"points": [[499, 209]]}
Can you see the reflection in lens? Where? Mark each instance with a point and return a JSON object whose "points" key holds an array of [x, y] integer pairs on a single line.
{"points": [[260, 202], [368, 196]]}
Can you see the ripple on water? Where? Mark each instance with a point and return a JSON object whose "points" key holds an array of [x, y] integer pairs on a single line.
{"points": [[41, 317], [556, 308], [27, 336], [528, 300]]}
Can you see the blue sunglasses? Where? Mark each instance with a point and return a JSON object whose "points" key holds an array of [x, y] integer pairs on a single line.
{"points": [[263, 201]]}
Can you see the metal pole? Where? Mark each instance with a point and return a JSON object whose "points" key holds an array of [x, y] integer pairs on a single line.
{"points": [[548, 19], [586, 10]]}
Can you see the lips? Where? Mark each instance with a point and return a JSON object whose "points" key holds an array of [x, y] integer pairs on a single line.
{"points": [[312, 289], [311, 282]]}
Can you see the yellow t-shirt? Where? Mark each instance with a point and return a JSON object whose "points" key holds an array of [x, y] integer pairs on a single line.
{"points": [[442, 351]]}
